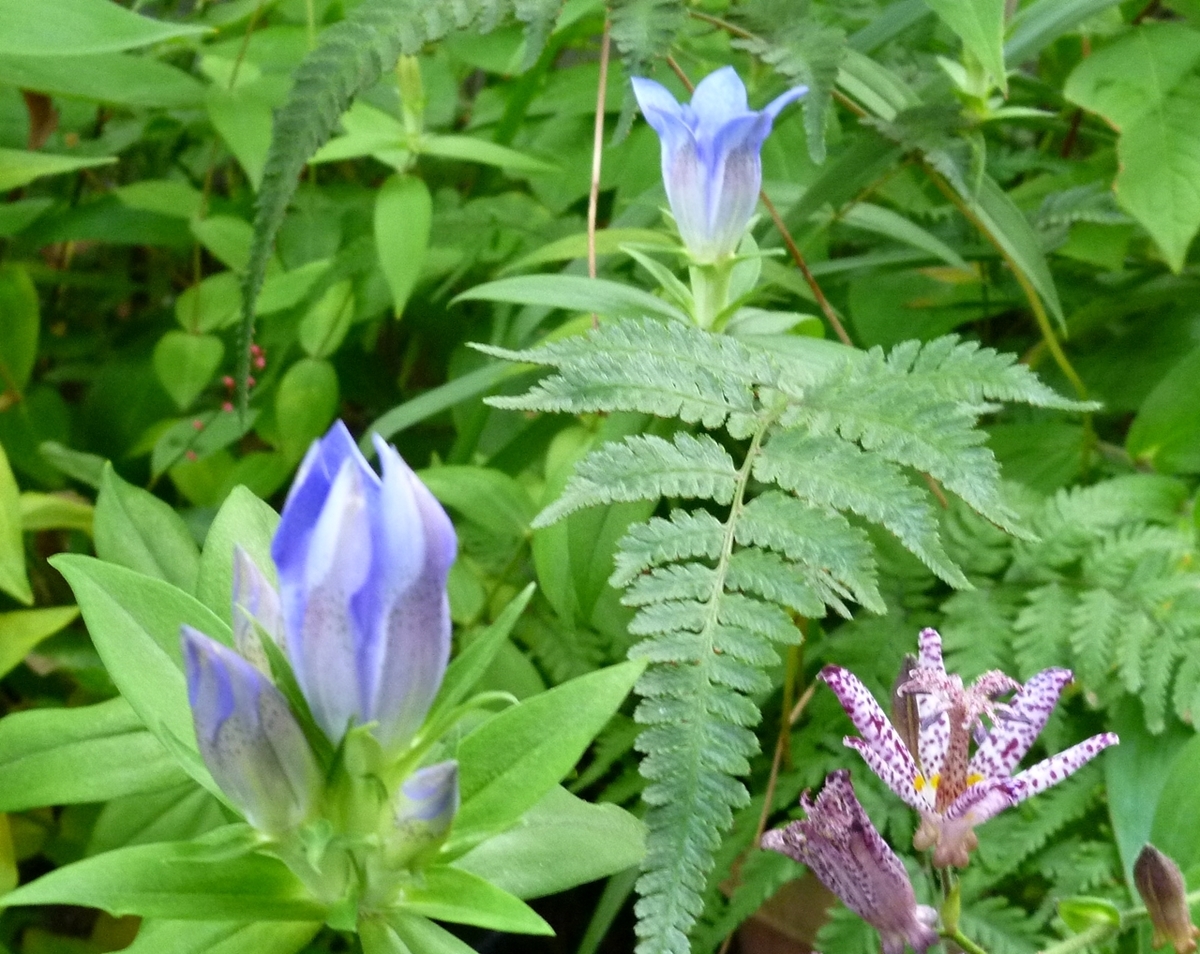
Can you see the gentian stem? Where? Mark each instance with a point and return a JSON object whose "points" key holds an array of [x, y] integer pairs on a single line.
{"points": [[964, 942]]}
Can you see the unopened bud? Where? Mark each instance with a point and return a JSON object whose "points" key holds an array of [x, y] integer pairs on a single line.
{"points": [[906, 716], [1160, 883]]}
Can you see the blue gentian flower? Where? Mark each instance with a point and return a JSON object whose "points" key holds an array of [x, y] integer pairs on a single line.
{"points": [[363, 619], [248, 737], [424, 808], [362, 566], [711, 165]]}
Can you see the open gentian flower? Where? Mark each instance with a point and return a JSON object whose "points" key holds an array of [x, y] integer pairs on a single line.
{"points": [[841, 847], [952, 789], [711, 165], [362, 618]]}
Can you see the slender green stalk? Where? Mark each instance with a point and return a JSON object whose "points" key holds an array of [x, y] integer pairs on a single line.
{"points": [[964, 942]]}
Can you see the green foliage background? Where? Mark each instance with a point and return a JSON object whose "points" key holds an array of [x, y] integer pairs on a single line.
{"points": [[389, 198]]}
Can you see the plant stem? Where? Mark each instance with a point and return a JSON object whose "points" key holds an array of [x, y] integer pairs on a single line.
{"points": [[963, 941]]}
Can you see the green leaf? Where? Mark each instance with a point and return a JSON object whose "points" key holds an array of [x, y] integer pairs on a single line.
{"points": [[222, 937], [242, 117], [85, 754], [176, 880], [185, 363], [875, 218], [561, 842], [509, 763], [118, 78], [243, 520], [21, 630], [1010, 229], [466, 669], [435, 401], [178, 813], [13, 578], [1174, 830], [78, 465], [575, 293], [134, 623], [425, 937], [1166, 431], [1036, 25], [209, 305], [324, 325], [450, 894], [1146, 84], [403, 216], [202, 434], [1079, 914], [378, 937], [81, 26], [608, 242], [487, 497], [305, 404], [980, 26], [135, 529], [227, 237], [19, 321], [18, 167], [55, 512], [470, 149]]}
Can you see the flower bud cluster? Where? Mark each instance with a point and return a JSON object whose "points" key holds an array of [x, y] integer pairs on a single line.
{"points": [[360, 626]]}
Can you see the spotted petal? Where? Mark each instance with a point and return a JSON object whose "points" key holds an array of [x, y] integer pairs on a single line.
{"points": [[1011, 736], [1058, 767], [881, 746]]}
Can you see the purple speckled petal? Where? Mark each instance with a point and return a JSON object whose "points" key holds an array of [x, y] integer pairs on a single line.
{"points": [[1058, 767], [929, 645], [881, 745], [1013, 733], [847, 854]]}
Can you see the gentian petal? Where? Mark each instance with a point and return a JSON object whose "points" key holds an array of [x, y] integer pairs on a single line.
{"points": [[417, 545], [881, 745], [719, 98], [248, 737], [1011, 736], [323, 633], [776, 106], [255, 605], [1058, 767]]}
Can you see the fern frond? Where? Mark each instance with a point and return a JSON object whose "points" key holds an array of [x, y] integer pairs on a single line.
{"points": [[350, 57], [999, 927], [807, 52], [828, 472], [646, 467], [662, 369], [907, 421], [684, 536], [837, 556], [643, 32], [771, 577]]}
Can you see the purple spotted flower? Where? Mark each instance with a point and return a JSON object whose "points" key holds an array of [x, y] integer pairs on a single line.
{"points": [[362, 565], [953, 789], [841, 847], [710, 157]]}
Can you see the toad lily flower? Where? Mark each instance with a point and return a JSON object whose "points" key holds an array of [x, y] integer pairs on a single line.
{"points": [[710, 157], [842, 848], [362, 617], [952, 789]]}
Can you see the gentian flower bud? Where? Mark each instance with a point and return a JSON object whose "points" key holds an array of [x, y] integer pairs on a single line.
{"points": [[843, 849], [255, 606], [248, 737], [711, 165], [362, 566], [425, 807], [1160, 883]]}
